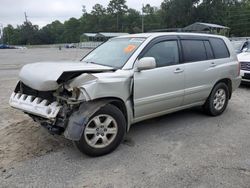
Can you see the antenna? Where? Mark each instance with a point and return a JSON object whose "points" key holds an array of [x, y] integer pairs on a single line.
{"points": [[26, 17]]}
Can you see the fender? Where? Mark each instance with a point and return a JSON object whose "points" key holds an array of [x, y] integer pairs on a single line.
{"points": [[80, 118]]}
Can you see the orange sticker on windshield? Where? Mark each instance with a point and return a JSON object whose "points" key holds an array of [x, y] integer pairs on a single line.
{"points": [[129, 48]]}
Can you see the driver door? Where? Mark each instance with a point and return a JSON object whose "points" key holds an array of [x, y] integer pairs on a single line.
{"points": [[158, 90]]}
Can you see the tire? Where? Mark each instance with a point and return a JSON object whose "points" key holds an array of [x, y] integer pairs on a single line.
{"points": [[215, 107], [99, 137]]}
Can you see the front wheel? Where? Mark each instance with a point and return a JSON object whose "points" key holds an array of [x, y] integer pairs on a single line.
{"points": [[217, 100], [103, 133]]}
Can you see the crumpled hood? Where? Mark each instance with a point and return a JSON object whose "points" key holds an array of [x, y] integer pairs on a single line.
{"points": [[45, 76]]}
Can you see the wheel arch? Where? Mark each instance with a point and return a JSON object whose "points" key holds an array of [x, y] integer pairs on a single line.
{"points": [[79, 118], [117, 102], [126, 107], [226, 81], [207, 105]]}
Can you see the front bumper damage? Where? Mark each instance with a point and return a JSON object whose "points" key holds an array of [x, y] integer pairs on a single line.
{"points": [[52, 116], [34, 105], [46, 113], [66, 109]]}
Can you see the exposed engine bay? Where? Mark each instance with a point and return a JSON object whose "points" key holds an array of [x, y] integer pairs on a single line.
{"points": [[53, 100]]}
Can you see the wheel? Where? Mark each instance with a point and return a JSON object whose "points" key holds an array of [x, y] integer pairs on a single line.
{"points": [[217, 100], [103, 133]]}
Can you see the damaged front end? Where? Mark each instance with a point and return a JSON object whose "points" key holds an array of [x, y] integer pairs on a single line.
{"points": [[43, 106], [51, 109], [67, 108]]}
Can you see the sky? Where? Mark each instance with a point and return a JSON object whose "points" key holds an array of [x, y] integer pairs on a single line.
{"points": [[43, 12]]}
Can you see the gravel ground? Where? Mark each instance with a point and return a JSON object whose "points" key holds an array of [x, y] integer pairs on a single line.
{"points": [[183, 149]]}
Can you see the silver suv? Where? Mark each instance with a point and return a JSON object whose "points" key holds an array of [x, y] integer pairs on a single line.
{"points": [[126, 80]]}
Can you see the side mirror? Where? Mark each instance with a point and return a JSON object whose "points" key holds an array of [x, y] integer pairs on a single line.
{"points": [[146, 63]]}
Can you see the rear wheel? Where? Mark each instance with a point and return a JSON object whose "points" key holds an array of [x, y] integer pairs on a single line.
{"points": [[217, 100], [103, 133]]}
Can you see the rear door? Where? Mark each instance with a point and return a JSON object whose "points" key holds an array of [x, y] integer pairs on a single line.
{"points": [[202, 68]]}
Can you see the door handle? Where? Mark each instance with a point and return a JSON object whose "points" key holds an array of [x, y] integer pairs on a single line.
{"points": [[178, 70], [213, 64]]}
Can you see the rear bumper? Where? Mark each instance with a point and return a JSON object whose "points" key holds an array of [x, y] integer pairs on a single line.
{"points": [[33, 105]]}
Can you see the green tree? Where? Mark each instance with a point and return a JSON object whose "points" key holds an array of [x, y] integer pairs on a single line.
{"points": [[29, 34], [117, 8], [147, 9], [98, 18], [118, 17], [98, 10], [132, 21], [8, 33], [52, 33], [152, 19], [178, 13], [71, 31]]}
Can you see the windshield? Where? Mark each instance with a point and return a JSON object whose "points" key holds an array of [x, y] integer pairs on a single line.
{"points": [[115, 52]]}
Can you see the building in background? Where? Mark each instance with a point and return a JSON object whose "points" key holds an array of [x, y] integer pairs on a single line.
{"points": [[99, 37], [199, 27], [207, 28]]}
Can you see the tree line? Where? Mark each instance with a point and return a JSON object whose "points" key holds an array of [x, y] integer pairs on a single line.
{"points": [[118, 17]]}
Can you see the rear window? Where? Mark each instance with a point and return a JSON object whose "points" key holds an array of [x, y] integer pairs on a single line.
{"points": [[219, 48], [193, 50]]}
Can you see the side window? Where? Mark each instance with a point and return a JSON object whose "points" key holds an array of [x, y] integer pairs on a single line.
{"points": [[193, 50], [210, 54], [165, 53], [219, 48]]}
